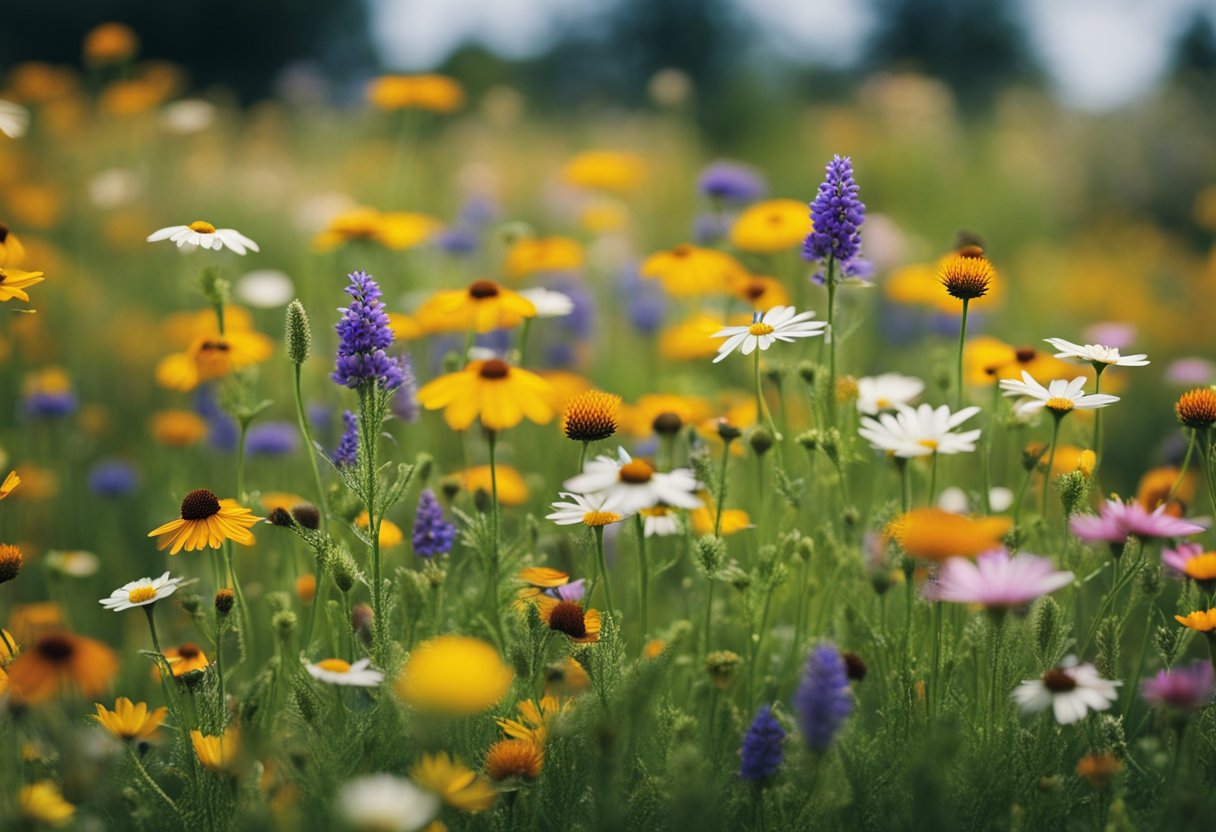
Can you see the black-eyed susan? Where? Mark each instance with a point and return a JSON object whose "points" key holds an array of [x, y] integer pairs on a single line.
{"points": [[691, 271], [455, 783], [771, 226], [43, 803], [693, 338], [394, 230], [206, 522], [14, 282], [761, 292], [934, 534], [219, 752], [59, 660], [534, 718], [537, 580], [512, 490], [639, 418], [430, 92], [28, 621], [590, 416], [185, 658], [543, 255], [514, 759], [452, 674], [569, 618], [732, 520], [481, 307], [605, 170], [212, 356], [129, 721], [11, 250], [492, 390], [566, 678]]}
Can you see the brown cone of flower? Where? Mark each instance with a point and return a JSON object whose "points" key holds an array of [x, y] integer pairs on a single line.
{"points": [[11, 561], [966, 277], [514, 758], [591, 416], [1197, 408]]}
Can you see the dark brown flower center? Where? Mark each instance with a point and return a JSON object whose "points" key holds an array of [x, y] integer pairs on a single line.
{"points": [[1025, 355], [682, 250], [667, 423], [188, 651], [56, 648], [215, 346], [3, 232], [495, 368], [1058, 680], [482, 289], [199, 505], [754, 290], [567, 617]]}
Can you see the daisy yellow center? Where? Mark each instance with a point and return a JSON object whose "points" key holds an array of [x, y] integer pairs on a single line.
{"points": [[141, 594], [883, 404], [600, 518], [1059, 404], [636, 472], [334, 665], [1202, 567], [760, 328], [931, 444], [202, 227]]}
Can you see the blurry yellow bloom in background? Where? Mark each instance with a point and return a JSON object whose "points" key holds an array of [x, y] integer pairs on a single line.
{"points": [[482, 306], [38, 82], [539, 255], [456, 675], [692, 339], [433, 93], [390, 532], [934, 534], [761, 292], [605, 170], [109, 43], [178, 428], [211, 357], [512, 490], [638, 418], [43, 803], [11, 250], [395, 230], [14, 282], [771, 226], [456, 784], [404, 327], [691, 271], [217, 753]]}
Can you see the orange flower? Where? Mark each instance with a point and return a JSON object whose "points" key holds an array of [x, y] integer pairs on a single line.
{"points": [[394, 230], [178, 428], [59, 660], [212, 356], [205, 522], [434, 93], [185, 658], [934, 534]]}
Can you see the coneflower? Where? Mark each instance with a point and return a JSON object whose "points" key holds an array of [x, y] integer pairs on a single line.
{"points": [[823, 699]]}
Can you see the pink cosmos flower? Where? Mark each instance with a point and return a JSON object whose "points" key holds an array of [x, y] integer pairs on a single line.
{"points": [[996, 579], [1186, 688], [1176, 559], [1116, 521]]}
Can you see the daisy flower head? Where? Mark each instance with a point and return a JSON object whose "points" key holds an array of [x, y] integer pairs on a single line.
{"points": [[204, 235], [1096, 354], [628, 485], [386, 803], [205, 522], [886, 391], [581, 508], [777, 324], [549, 303], [1117, 520], [996, 579], [1058, 396], [141, 593], [659, 521], [359, 674], [1071, 690], [922, 431]]}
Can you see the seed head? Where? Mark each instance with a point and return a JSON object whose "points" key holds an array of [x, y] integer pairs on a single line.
{"points": [[591, 416], [966, 277], [298, 333], [11, 561], [1197, 408]]}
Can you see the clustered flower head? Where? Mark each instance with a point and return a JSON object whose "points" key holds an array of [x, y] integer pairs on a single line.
{"points": [[837, 215], [347, 452], [966, 274], [432, 534], [824, 699], [364, 335], [761, 753]]}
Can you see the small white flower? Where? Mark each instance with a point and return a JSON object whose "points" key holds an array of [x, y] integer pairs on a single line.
{"points": [[920, 432], [627, 486], [1071, 690], [141, 593], [886, 392], [265, 288], [956, 501], [1058, 396], [659, 521], [1096, 353], [338, 672], [549, 304], [777, 324], [582, 508], [114, 187], [386, 803], [14, 119], [75, 564], [204, 234], [191, 115]]}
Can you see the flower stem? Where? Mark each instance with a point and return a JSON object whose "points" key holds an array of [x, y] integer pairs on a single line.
{"points": [[643, 576], [368, 436], [962, 340], [495, 531], [152, 784], [934, 693], [240, 462], [309, 447], [998, 642], [1186, 463], [151, 627], [830, 279], [721, 489], [905, 497], [1051, 461], [1098, 368], [932, 479], [602, 562]]}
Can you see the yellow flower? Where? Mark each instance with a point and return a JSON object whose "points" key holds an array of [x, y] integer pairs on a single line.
{"points": [[568, 617], [934, 534], [217, 753], [390, 532], [455, 783], [183, 659], [42, 802], [457, 675], [434, 93], [984, 359], [538, 255], [129, 721], [534, 719], [966, 276], [28, 621], [761, 292], [482, 307], [494, 391], [59, 660], [178, 428], [11, 250], [1157, 484], [605, 170], [212, 356], [590, 416], [638, 418], [14, 282], [404, 327], [693, 338], [543, 576], [512, 490], [688, 271], [394, 230], [514, 758], [733, 519], [770, 226], [281, 499], [10, 484], [566, 678], [1199, 621], [110, 43], [205, 522]]}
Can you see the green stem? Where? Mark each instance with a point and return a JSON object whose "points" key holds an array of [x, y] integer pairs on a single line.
{"points": [[643, 576], [152, 784], [830, 274], [319, 574], [1186, 463], [602, 563], [1098, 368], [219, 659], [905, 495], [721, 488], [246, 618], [495, 520], [962, 340], [998, 641], [151, 628], [240, 462], [582, 456], [309, 446], [932, 479], [709, 610], [1051, 461], [368, 436]]}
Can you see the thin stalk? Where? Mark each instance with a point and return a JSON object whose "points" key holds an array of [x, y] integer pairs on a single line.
{"points": [[602, 563], [934, 693], [582, 456], [643, 576], [240, 461], [905, 494], [1098, 368], [495, 520], [368, 436], [246, 618], [219, 659], [932, 479], [721, 488], [998, 641], [152, 784], [1051, 461], [830, 274], [962, 340], [1186, 463], [309, 447]]}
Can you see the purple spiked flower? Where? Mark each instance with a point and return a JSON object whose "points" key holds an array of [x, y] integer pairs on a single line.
{"points": [[761, 750], [363, 336], [1183, 688], [272, 439], [405, 402], [347, 452], [837, 215], [432, 534], [823, 699]]}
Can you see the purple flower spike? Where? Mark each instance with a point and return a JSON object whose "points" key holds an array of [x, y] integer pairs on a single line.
{"points": [[823, 699], [761, 751], [363, 336], [432, 534], [837, 215], [347, 453]]}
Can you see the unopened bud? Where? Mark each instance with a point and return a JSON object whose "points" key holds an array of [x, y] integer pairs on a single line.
{"points": [[298, 333]]}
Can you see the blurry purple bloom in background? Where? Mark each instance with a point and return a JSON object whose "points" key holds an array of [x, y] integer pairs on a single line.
{"points": [[732, 182], [761, 752], [824, 699], [272, 439], [1187, 688], [113, 478], [432, 534], [1190, 370]]}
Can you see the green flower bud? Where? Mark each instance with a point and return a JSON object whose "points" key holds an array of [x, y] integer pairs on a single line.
{"points": [[298, 333]]}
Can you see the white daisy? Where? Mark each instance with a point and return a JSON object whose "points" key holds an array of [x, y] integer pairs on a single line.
{"points": [[628, 485], [265, 288], [659, 521], [14, 119], [141, 593], [1058, 396], [205, 235], [920, 432], [338, 672], [386, 803], [74, 564], [885, 392], [1071, 690], [956, 501], [583, 508], [549, 304], [1096, 353], [777, 324]]}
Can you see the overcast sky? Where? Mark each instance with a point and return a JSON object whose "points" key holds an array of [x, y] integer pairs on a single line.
{"points": [[1100, 53]]}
